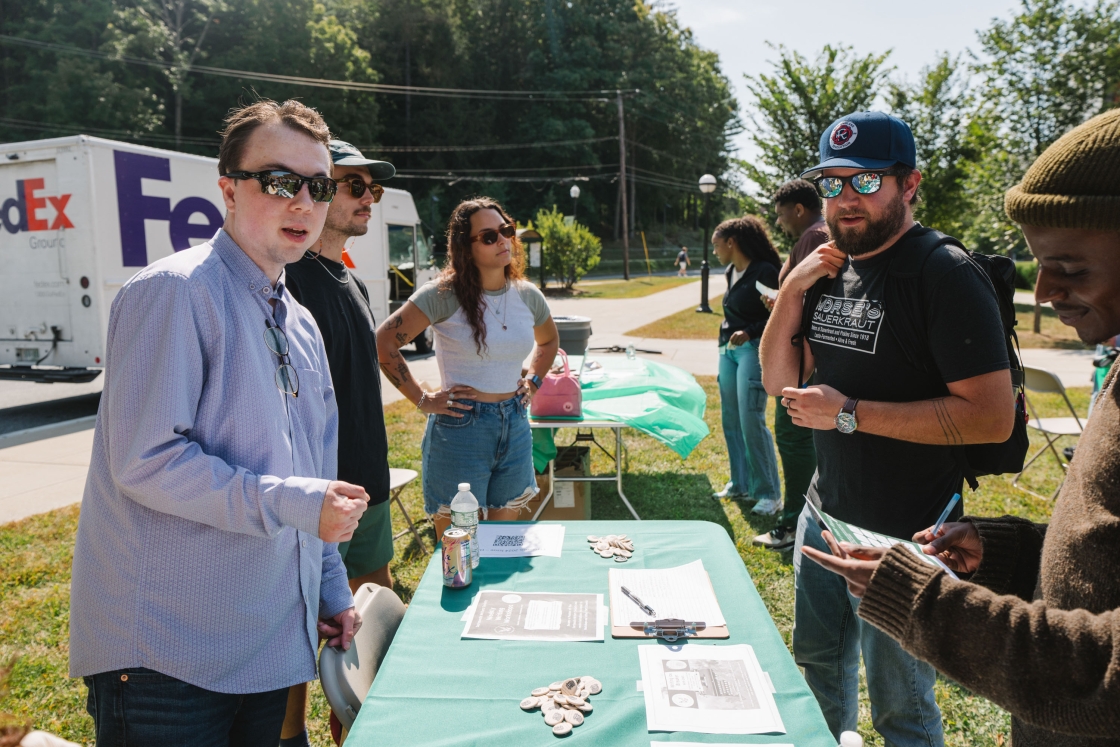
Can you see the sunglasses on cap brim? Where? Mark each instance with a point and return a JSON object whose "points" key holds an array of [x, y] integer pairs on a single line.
{"points": [[490, 236], [288, 184]]}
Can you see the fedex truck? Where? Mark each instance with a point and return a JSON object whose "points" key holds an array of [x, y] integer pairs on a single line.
{"points": [[81, 215]]}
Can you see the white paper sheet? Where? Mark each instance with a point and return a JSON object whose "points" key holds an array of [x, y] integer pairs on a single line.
{"points": [[535, 616], [712, 744], [520, 540], [683, 592], [707, 689]]}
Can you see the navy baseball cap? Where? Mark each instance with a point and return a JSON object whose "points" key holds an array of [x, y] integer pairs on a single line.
{"points": [[345, 154], [865, 140]]}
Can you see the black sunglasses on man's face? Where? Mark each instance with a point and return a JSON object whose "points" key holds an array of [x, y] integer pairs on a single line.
{"points": [[288, 184]]}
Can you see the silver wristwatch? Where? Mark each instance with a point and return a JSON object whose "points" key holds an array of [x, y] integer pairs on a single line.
{"points": [[846, 418]]}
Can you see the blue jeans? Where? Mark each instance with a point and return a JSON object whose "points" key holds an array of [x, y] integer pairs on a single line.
{"points": [[827, 640], [750, 447], [142, 707], [491, 447]]}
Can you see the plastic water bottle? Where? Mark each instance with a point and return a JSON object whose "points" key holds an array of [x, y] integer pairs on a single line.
{"points": [[464, 515], [850, 739], [630, 353]]}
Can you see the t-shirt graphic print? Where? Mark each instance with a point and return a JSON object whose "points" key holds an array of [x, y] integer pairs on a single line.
{"points": [[847, 323]]}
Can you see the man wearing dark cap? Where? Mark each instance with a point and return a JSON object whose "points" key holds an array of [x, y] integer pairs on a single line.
{"points": [[1052, 660], [339, 302], [889, 408]]}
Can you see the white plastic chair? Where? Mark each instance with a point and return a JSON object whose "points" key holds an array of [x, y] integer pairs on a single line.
{"points": [[1045, 382], [346, 676]]}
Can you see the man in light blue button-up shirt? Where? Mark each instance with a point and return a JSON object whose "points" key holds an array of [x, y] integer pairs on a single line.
{"points": [[206, 565]]}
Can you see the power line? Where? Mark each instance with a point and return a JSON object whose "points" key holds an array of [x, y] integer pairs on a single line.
{"points": [[103, 132], [460, 93], [466, 148], [518, 168], [452, 178]]}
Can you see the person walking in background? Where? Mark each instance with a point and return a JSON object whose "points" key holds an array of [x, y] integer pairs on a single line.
{"points": [[487, 320], [1036, 627], [339, 301], [682, 262], [205, 566], [887, 428], [744, 246], [799, 214]]}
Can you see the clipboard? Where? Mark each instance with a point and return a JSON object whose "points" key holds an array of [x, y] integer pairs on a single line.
{"points": [[639, 630]]}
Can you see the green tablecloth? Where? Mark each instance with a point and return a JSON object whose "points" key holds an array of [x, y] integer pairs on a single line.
{"points": [[434, 688], [660, 400]]}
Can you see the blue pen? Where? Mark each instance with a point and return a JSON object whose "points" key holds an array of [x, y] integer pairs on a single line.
{"points": [[945, 514]]}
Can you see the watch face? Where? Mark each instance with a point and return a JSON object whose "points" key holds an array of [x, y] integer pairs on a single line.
{"points": [[846, 422]]}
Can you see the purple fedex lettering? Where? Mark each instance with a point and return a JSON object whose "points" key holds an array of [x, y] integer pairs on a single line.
{"points": [[134, 207]]}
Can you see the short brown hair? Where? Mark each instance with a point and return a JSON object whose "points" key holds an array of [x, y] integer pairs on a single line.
{"points": [[241, 122]]}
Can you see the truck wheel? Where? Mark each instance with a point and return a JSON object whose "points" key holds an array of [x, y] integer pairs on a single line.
{"points": [[424, 341]]}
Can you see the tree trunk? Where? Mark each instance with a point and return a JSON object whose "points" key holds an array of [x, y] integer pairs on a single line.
{"points": [[1037, 318]]}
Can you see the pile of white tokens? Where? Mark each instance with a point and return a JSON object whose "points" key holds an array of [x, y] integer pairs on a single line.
{"points": [[564, 703], [619, 546]]}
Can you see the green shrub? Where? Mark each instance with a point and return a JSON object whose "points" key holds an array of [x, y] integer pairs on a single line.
{"points": [[1025, 275], [568, 251]]}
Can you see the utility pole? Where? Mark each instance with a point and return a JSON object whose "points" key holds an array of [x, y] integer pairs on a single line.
{"points": [[622, 189]]}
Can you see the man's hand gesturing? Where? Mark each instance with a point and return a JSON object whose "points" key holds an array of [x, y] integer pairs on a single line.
{"points": [[826, 259], [343, 506]]}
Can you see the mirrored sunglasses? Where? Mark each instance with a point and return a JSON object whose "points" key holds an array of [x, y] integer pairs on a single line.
{"points": [[490, 236], [288, 184], [867, 183]]}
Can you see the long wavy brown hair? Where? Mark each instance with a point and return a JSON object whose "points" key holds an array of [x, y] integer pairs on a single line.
{"points": [[461, 275]]}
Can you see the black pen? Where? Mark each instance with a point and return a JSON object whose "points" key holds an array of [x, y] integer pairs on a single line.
{"points": [[644, 607]]}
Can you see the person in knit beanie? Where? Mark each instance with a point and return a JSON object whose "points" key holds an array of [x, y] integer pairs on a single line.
{"points": [[1033, 623]]}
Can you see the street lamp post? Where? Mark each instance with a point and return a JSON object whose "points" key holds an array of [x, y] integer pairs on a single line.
{"points": [[574, 192], [707, 186]]}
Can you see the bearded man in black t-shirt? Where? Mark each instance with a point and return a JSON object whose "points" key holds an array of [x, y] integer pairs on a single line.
{"points": [[886, 430], [339, 301]]}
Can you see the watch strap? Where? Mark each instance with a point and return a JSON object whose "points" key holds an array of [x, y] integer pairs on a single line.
{"points": [[850, 405]]}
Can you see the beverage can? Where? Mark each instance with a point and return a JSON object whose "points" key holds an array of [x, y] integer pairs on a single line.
{"points": [[456, 558]]}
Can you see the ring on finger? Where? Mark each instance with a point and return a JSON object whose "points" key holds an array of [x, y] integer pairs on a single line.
{"points": [[451, 396]]}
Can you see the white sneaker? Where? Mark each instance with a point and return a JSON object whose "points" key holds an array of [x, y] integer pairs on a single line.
{"points": [[726, 492], [768, 507]]}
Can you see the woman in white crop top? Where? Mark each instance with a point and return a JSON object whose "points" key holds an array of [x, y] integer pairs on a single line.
{"points": [[487, 321]]}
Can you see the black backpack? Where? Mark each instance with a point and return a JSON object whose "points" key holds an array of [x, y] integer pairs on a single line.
{"points": [[904, 296]]}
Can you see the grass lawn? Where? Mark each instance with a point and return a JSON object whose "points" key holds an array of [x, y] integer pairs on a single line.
{"points": [[35, 557], [688, 325], [636, 288], [1053, 333]]}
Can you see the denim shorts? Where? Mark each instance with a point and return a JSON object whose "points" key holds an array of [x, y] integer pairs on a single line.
{"points": [[491, 447]]}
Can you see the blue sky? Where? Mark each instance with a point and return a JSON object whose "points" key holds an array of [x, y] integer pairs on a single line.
{"points": [[916, 31]]}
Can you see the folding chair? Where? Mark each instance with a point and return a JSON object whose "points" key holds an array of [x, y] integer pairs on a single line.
{"points": [[1045, 382], [398, 479], [346, 676]]}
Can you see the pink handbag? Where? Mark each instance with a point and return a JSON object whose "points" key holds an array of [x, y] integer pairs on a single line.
{"points": [[559, 395]]}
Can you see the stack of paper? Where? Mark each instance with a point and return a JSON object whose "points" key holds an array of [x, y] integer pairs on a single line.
{"points": [[707, 689], [684, 592], [535, 616], [519, 540]]}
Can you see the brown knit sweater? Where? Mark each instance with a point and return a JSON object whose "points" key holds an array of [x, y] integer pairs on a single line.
{"points": [[1054, 662]]}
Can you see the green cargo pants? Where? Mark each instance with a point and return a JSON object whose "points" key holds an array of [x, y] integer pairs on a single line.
{"points": [[799, 462]]}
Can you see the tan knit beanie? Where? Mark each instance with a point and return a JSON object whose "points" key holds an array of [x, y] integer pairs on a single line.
{"points": [[1075, 183]]}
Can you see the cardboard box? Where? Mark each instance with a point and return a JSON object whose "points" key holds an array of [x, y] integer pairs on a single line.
{"points": [[572, 500]]}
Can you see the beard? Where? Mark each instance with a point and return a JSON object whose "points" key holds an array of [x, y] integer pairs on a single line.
{"points": [[347, 226], [874, 233]]}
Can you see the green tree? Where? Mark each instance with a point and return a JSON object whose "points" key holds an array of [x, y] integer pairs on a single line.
{"points": [[793, 105], [568, 249], [938, 109]]}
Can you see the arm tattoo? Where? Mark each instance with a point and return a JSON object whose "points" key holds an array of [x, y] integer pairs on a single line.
{"points": [[402, 338], [394, 321], [949, 428], [389, 375]]}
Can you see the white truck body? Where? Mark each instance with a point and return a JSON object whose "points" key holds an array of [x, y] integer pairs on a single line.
{"points": [[81, 215]]}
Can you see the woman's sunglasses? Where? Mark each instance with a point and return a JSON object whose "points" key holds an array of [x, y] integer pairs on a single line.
{"points": [[867, 183], [489, 237], [288, 184], [358, 188]]}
